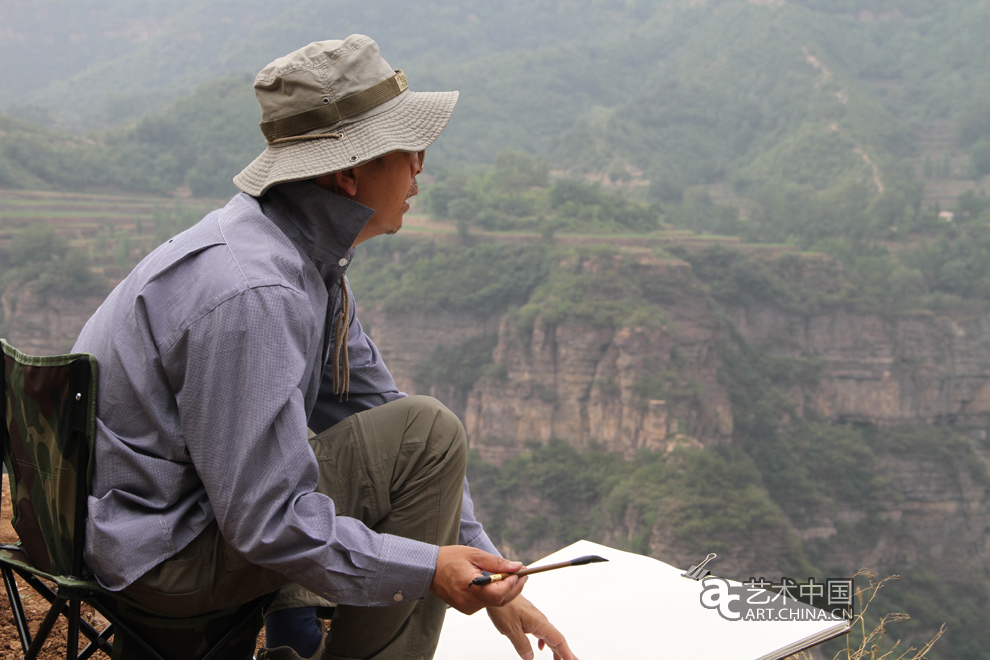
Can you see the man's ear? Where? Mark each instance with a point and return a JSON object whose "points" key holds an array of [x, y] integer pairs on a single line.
{"points": [[343, 182], [346, 181]]}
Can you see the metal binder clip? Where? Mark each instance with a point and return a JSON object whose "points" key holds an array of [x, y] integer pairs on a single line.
{"points": [[698, 572]]}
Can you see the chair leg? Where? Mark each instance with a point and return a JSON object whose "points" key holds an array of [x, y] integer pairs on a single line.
{"points": [[46, 627], [97, 640], [100, 642], [72, 635], [17, 609]]}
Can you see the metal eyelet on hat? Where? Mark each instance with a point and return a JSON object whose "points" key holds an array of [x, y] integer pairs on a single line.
{"points": [[353, 158], [326, 101]]}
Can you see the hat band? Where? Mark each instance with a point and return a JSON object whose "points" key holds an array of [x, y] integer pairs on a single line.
{"points": [[332, 113]]}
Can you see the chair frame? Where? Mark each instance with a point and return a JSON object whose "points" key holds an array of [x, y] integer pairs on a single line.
{"points": [[78, 587]]}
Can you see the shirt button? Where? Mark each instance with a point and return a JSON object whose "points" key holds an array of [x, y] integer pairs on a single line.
{"points": [[397, 597], [342, 262]]}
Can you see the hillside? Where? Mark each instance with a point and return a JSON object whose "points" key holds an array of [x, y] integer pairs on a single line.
{"points": [[655, 96]]}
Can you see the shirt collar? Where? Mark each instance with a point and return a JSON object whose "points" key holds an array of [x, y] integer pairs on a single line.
{"points": [[320, 223]]}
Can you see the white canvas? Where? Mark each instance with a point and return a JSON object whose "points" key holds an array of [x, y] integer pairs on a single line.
{"points": [[630, 607]]}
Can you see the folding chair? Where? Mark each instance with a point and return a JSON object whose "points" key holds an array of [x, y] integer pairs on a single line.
{"points": [[49, 422]]}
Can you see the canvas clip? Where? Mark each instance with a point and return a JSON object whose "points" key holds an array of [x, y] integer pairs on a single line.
{"points": [[699, 571]]}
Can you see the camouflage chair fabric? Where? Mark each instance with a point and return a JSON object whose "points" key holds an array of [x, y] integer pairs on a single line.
{"points": [[51, 419], [49, 406]]}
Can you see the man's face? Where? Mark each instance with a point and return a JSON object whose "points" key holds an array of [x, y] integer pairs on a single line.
{"points": [[385, 186]]}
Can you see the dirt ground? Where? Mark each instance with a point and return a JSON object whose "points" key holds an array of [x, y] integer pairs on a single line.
{"points": [[37, 607]]}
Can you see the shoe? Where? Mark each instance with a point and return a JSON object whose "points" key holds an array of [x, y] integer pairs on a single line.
{"points": [[288, 653]]}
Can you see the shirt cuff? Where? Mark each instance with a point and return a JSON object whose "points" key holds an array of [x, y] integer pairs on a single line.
{"points": [[406, 570]]}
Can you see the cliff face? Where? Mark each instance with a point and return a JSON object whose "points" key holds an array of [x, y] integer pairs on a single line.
{"points": [[918, 368], [593, 386], [589, 384]]}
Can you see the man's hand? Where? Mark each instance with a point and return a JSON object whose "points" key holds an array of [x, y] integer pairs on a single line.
{"points": [[517, 619], [457, 565]]}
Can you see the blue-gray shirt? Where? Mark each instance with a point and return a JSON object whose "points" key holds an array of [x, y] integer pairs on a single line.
{"points": [[213, 360]]}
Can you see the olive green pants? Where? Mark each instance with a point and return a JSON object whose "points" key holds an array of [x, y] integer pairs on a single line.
{"points": [[399, 468]]}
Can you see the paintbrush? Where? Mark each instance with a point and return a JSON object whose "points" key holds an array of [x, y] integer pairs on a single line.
{"points": [[580, 561]]}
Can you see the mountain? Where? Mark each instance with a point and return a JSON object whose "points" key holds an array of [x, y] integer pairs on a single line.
{"points": [[734, 95]]}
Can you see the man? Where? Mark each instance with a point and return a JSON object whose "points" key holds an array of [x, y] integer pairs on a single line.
{"points": [[227, 343]]}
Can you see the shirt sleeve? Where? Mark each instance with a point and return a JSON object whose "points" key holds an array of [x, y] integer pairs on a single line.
{"points": [[255, 461], [372, 385], [472, 533]]}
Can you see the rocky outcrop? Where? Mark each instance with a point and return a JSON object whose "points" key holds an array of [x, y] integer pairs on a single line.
{"points": [[602, 386], [916, 368], [591, 385], [408, 340]]}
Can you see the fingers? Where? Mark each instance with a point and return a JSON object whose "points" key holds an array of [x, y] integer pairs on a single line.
{"points": [[521, 618], [515, 588], [562, 651], [520, 641], [511, 623], [457, 566], [550, 636], [494, 563], [498, 594]]}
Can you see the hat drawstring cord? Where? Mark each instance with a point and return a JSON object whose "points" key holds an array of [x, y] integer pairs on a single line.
{"points": [[342, 382]]}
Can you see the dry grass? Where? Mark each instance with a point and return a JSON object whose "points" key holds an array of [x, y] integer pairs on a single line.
{"points": [[876, 643]]}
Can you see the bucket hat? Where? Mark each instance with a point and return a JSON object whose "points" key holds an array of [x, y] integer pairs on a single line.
{"points": [[337, 104]]}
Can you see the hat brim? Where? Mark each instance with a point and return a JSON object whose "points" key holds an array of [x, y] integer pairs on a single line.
{"points": [[413, 124]]}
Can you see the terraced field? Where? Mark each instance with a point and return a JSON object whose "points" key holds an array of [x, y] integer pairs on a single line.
{"points": [[101, 223], [81, 217]]}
